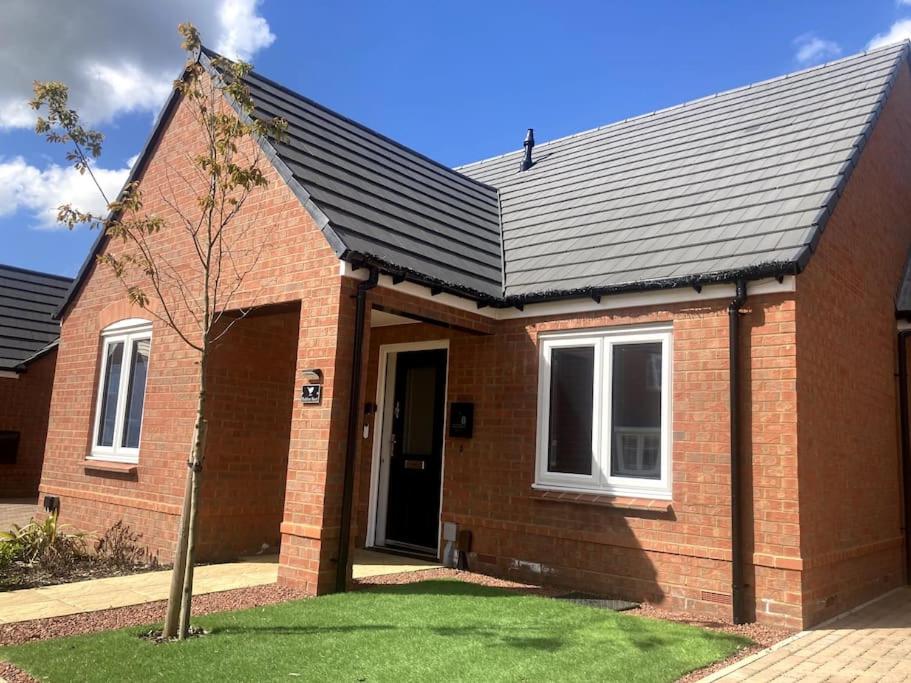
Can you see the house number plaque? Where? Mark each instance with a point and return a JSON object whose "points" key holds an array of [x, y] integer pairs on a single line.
{"points": [[311, 394]]}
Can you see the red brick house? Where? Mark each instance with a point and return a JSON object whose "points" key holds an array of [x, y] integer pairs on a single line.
{"points": [[28, 355], [656, 360]]}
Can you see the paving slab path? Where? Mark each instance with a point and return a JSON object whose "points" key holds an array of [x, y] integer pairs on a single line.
{"points": [[16, 511], [369, 563], [135, 589], [872, 643]]}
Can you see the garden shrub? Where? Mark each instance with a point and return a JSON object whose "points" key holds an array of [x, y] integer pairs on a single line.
{"points": [[44, 542], [120, 547]]}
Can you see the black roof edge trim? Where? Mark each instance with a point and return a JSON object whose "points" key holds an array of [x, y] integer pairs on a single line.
{"points": [[299, 191], [767, 270], [209, 53], [46, 349], [779, 269], [822, 219], [400, 274]]}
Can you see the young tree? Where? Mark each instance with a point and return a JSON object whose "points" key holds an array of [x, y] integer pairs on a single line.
{"points": [[195, 299]]}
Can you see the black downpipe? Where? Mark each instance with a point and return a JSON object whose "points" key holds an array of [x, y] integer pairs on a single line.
{"points": [[737, 606], [905, 443], [354, 401]]}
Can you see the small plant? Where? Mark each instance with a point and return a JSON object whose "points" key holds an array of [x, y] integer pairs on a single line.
{"points": [[120, 547], [7, 554], [43, 541]]}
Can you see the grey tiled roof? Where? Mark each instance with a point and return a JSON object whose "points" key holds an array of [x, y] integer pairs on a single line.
{"points": [[27, 303], [740, 181], [739, 184], [383, 200]]}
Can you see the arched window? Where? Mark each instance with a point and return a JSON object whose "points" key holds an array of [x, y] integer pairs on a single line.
{"points": [[121, 390]]}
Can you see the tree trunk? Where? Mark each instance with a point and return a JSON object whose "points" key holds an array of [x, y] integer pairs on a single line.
{"points": [[172, 620], [186, 603]]}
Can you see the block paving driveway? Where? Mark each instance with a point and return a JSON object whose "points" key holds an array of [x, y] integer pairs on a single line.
{"points": [[871, 644]]}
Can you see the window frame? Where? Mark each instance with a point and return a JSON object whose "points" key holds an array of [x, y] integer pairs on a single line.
{"points": [[601, 481], [128, 332]]}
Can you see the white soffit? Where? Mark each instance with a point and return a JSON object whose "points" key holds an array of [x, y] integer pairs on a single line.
{"points": [[384, 319]]}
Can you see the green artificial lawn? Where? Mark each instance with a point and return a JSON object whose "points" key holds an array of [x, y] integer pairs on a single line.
{"points": [[430, 631]]}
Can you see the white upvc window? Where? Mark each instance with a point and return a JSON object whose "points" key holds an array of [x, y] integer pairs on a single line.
{"points": [[604, 402], [122, 377]]}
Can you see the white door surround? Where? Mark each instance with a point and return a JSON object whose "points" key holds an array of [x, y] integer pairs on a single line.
{"points": [[382, 425]]}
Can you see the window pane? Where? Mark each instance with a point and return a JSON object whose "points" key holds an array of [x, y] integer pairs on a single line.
{"points": [[109, 390], [136, 394], [420, 407], [636, 411], [570, 429]]}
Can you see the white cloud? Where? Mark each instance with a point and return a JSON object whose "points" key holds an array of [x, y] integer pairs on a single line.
{"points": [[41, 191], [900, 30], [116, 56], [243, 32], [811, 49]]}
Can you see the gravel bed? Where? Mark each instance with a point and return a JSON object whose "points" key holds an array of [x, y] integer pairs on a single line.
{"points": [[139, 615], [445, 573]]}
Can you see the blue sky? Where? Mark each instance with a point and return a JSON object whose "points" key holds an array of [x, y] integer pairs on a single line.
{"points": [[458, 81]]}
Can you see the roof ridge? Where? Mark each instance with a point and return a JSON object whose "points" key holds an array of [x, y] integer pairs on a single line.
{"points": [[28, 271], [688, 103]]}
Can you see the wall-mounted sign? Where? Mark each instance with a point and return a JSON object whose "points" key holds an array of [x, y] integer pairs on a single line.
{"points": [[311, 393], [461, 420]]}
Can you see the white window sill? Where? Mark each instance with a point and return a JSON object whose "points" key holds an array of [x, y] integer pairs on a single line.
{"points": [[112, 466], [635, 493], [127, 458]]}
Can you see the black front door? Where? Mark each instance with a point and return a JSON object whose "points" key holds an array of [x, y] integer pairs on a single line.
{"points": [[413, 501]]}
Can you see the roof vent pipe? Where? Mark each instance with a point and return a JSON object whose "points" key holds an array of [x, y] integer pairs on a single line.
{"points": [[529, 145]]}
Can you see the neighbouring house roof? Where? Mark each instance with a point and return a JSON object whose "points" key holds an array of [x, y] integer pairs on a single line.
{"points": [[27, 303], [736, 185]]}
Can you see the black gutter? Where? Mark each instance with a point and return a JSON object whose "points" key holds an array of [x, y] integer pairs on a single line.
{"points": [[354, 400], [47, 348], [777, 270], [905, 441], [737, 603]]}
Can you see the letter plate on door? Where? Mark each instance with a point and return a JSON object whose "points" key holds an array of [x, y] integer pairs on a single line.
{"points": [[415, 464]]}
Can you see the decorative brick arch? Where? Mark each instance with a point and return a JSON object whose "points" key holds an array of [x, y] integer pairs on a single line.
{"points": [[121, 310]]}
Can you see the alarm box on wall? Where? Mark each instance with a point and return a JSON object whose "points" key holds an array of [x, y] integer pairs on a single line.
{"points": [[461, 419]]}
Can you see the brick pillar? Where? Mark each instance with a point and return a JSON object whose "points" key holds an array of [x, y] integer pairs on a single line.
{"points": [[316, 456]]}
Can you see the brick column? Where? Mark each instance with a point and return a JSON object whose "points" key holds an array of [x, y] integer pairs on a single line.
{"points": [[317, 450]]}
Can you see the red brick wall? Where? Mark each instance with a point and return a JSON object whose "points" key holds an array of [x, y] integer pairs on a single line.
{"points": [[24, 405], [851, 528], [675, 553], [295, 265], [251, 394], [808, 550]]}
